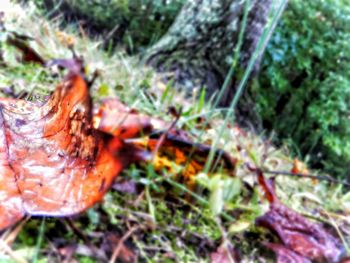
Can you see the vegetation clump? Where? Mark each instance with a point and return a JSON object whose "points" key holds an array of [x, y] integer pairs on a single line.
{"points": [[303, 92]]}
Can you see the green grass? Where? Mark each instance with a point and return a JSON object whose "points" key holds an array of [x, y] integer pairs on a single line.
{"points": [[173, 223]]}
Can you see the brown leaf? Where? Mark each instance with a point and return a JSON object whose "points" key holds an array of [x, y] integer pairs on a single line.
{"points": [[119, 120], [181, 141], [172, 146], [52, 161], [296, 233], [29, 55], [285, 255]]}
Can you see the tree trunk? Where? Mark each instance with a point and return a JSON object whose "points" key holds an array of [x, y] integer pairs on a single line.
{"points": [[198, 48]]}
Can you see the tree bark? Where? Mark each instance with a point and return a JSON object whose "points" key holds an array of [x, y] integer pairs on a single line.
{"points": [[198, 48]]}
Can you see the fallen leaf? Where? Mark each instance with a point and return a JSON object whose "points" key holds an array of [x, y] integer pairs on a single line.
{"points": [[285, 255], [119, 120], [52, 161], [176, 149], [298, 235], [29, 55]]}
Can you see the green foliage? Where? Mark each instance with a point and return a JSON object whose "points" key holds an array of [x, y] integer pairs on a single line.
{"points": [[137, 23], [304, 88]]}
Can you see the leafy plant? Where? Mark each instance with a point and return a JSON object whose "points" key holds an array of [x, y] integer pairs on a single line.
{"points": [[304, 88]]}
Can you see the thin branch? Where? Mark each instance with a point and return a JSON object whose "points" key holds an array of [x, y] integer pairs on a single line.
{"points": [[121, 243], [312, 176]]}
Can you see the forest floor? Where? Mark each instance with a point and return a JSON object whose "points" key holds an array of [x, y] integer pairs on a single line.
{"points": [[149, 214]]}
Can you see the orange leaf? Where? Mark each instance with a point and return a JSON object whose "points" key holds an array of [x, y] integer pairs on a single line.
{"points": [[52, 161], [117, 119], [299, 167]]}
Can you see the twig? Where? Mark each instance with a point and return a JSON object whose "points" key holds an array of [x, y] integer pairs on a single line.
{"points": [[7, 249], [312, 176], [110, 35], [80, 234], [121, 243], [77, 231], [226, 243], [163, 136], [10, 237], [94, 77]]}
